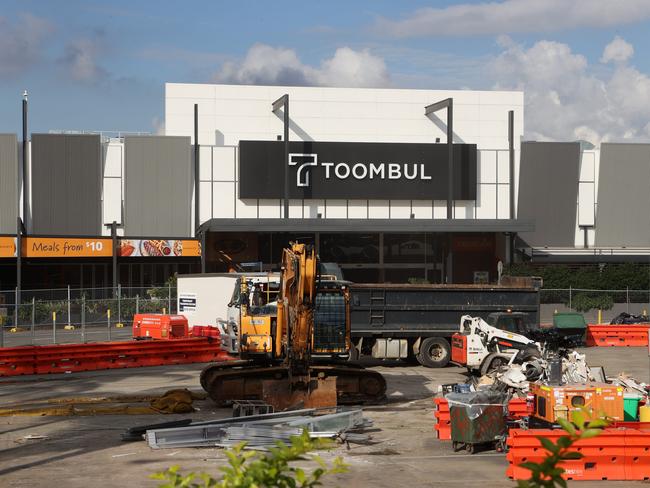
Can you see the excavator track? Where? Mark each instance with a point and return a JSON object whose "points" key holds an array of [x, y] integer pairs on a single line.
{"points": [[327, 385]]}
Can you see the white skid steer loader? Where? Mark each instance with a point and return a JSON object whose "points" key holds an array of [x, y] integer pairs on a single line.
{"points": [[483, 348]]}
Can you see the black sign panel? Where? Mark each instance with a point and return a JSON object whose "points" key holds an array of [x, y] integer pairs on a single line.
{"points": [[355, 170]]}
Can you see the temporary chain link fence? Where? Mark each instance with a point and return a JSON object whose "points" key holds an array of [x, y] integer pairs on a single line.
{"points": [[597, 306], [74, 315], [69, 315]]}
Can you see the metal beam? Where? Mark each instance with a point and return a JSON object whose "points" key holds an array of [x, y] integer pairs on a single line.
{"points": [[511, 155], [447, 103], [203, 250], [24, 168], [197, 184], [434, 107], [370, 225], [114, 258], [281, 102]]}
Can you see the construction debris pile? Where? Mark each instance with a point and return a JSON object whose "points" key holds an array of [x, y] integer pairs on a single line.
{"points": [[536, 384], [555, 363], [258, 431]]}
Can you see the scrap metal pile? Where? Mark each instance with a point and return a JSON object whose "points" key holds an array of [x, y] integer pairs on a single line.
{"points": [[258, 431], [557, 363]]}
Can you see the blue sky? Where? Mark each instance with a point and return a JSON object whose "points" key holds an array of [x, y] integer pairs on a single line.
{"points": [[102, 65]]}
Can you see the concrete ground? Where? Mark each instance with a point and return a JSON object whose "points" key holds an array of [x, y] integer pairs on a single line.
{"points": [[87, 451]]}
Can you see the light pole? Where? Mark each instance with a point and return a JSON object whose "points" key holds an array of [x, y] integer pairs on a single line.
{"points": [[281, 102]]}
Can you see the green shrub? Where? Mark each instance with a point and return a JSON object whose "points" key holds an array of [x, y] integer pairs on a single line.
{"points": [[583, 302], [251, 469]]}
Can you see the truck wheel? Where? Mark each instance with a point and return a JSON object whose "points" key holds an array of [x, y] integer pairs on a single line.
{"points": [[434, 352]]}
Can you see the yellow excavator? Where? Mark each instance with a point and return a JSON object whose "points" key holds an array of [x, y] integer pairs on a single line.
{"points": [[309, 339]]}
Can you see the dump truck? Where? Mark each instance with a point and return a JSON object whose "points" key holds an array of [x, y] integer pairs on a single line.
{"points": [[416, 322]]}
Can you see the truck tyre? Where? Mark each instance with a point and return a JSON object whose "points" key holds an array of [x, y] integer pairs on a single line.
{"points": [[434, 352]]}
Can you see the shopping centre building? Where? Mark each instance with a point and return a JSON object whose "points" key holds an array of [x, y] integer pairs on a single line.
{"points": [[364, 174]]}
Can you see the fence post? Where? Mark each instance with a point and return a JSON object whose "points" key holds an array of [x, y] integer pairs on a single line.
{"points": [[627, 298], [169, 297], [33, 319], [570, 297], [119, 303], [137, 303], [54, 327], [108, 323], [16, 309], [83, 319], [69, 321]]}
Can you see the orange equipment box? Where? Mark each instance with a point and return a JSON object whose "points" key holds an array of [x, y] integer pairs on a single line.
{"points": [[459, 348], [595, 399], [159, 326]]}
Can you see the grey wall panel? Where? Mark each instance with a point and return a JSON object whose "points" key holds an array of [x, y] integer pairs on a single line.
{"points": [[8, 183], [623, 212], [158, 181], [548, 192], [66, 184]]}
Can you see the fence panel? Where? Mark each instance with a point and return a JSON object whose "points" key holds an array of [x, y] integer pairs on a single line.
{"points": [[70, 315], [589, 302], [65, 316]]}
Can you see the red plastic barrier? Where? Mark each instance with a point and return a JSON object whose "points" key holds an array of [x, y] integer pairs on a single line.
{"points": [[604, 456], [621, 452], [517, 408], [637, 454], [107, 355], [617, 335]]}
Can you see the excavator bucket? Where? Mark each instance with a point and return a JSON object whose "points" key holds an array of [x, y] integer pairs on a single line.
{"points": [[282, 394]]}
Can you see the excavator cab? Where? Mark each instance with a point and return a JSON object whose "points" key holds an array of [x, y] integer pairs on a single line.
{"points": [[256, 299]]}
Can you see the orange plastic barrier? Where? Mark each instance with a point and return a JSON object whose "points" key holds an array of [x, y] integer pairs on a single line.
{"points": [[26, 360], [618, 453], [617, 335], [517, 408]]}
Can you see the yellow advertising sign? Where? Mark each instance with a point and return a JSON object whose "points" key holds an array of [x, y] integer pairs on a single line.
{"points": [[80, 247], [161, 248], [63, 247], [7, 247]]}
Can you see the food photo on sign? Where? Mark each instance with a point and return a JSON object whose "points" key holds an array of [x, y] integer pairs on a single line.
{"points": [[151, 248]]}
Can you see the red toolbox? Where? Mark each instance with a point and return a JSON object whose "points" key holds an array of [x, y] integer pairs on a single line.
{"points": [[159, 326]]}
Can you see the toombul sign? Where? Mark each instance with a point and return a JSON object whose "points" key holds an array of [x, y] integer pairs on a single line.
{"points": [[351, 170]]}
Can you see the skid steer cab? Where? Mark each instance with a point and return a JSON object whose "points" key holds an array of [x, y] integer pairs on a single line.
{"points": [[482, 347]]}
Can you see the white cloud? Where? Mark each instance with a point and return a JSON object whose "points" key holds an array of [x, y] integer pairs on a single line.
{"points": [[80, 59], [21, 44], [268, 65], [618, 51], [510, 16], [567, 100]]}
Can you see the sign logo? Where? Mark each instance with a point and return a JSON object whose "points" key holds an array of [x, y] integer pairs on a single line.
{"points": [[304, 161]]}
